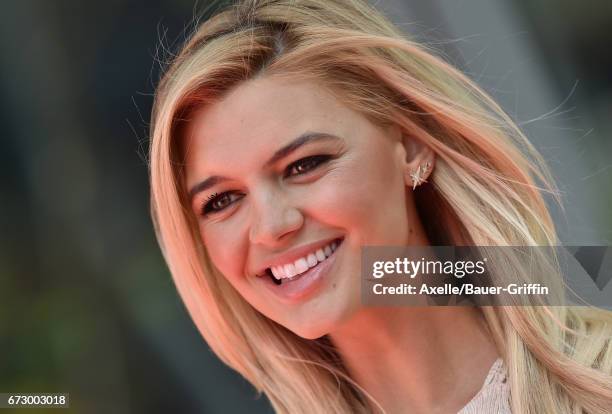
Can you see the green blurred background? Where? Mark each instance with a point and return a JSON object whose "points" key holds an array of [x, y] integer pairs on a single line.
{"points": [[87, 304]]}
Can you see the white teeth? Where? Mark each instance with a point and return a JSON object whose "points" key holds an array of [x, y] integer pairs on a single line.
{"points": [[289, 270], [312, 260], [304, 263], [301, 265], [320, 255], [278, 272]]}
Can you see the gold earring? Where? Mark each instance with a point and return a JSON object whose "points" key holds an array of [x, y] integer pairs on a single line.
{"points": [[417, 176]]}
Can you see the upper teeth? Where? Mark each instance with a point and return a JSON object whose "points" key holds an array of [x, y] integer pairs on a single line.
{"points": [[303, 263]]}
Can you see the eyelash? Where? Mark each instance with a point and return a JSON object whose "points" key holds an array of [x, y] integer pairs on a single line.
{"points": [[207, 207]]}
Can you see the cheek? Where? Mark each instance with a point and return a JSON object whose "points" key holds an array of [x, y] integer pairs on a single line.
{"points": [[225, 250], [368, 199]]}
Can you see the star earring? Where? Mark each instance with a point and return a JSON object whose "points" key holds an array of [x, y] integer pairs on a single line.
{"points": [[417, 176]]}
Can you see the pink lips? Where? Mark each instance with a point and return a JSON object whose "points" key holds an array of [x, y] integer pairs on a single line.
{"points": [[290, 256], [304, 285]]}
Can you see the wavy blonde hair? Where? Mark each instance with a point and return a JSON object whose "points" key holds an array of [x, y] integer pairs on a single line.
{"points": [[486, 188]]}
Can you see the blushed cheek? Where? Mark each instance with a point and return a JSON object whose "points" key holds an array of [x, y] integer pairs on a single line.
{"points": [[369, 203], [225, 253]]}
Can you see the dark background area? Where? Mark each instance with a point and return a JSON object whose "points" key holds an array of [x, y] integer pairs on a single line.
{"points": [[87, 304]]}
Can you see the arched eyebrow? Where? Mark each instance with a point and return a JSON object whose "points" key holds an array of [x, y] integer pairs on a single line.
{"points": [[285, 151]]}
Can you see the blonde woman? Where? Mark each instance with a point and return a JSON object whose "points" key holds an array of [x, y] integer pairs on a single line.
{"points": [[286, 135]]}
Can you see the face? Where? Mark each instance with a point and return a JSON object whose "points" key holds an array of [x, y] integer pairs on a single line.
{"points": [[287, 184]]}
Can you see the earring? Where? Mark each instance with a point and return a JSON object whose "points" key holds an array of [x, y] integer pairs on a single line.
{"points": [[417, 176]]}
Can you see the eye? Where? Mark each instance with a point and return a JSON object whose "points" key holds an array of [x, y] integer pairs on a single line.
{"points": [[218, 202], [305, 165]]}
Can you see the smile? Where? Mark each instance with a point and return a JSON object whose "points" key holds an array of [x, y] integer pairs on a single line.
{"points": [[291, 285], [295, 269]]}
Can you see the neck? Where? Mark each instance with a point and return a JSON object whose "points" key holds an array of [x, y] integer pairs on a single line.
{"points": [[417, 359]]}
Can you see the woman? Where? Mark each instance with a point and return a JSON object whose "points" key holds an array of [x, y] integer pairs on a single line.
{"points": [[287, 134]]}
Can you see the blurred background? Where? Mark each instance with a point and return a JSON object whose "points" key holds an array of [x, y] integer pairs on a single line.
{"points": [[87, 305]]}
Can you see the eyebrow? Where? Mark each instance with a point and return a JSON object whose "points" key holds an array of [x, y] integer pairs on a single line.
{"points": [[285, 151]]}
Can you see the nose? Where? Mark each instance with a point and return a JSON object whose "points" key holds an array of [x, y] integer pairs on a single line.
{"points": [[274, 217]]}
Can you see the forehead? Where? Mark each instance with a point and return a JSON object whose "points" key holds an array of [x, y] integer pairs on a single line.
{"points": [[258, 116]]}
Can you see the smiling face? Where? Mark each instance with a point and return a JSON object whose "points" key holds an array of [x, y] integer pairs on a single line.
{"points": [[285, 177]]}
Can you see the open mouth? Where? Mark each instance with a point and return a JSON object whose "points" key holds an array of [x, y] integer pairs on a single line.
{"points": [[293, 271]]}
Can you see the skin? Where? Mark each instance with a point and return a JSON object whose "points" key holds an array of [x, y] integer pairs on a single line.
{"points": [[426, 350]]}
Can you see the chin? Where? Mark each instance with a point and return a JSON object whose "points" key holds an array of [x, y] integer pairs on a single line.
{"points": [[319, 325], [311, 332], [313, 327]]}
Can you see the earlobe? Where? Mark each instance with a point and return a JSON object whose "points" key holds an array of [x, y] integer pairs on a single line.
{"points": [[419, 162]]}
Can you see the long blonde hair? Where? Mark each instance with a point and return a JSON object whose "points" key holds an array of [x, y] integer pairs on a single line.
{"points": [[486, 188]]}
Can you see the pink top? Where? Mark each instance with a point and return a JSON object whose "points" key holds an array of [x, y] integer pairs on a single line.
{"points": [[494, 396]]}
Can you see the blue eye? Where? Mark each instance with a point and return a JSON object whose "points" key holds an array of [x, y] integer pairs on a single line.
{"points": [[305, 165]]}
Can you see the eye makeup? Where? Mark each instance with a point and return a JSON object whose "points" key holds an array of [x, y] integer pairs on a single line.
{"points": [[303, 166]]}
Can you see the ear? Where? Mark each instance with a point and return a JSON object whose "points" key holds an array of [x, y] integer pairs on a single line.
{"points": [[418, 162]]}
